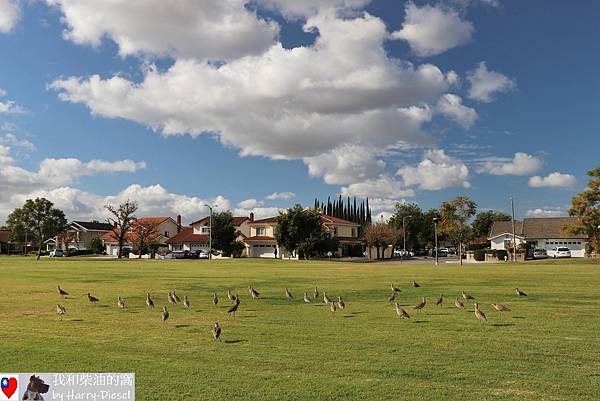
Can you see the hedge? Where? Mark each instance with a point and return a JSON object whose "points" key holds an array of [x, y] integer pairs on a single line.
{"points": [[479, 255]]}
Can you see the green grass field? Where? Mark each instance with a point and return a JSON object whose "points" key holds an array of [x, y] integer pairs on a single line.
{"points": [[547, 348]]}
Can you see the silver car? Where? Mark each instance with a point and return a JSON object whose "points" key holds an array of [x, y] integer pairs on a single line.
{"points": [[540, 254]]}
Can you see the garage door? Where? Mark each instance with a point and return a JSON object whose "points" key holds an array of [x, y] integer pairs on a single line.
{"points": [[262, 251]]}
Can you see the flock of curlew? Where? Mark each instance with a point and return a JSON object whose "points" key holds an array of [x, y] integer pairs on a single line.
{"points": [[174, 299]]}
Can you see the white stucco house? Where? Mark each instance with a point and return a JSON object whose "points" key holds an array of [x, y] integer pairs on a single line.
{"points": [[539, 233]]}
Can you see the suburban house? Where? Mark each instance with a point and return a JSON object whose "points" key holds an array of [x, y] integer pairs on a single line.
{"points": [[6, 245], [166, 227], [538, 233], [196, 236], [82, 233]]}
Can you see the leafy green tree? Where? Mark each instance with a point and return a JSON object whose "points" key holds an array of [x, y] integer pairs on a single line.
{"points": [[484, 220], [300, 230], [223, 232], [585, 206], [39, 218], [455, 215], [419, 226], [96, 245]]}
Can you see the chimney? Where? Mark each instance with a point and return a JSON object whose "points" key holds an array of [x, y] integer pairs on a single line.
{"points": [[178, 223], [251, 216]]}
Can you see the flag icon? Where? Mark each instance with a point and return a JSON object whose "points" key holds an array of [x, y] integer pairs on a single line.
{"points": [[9, 386]]}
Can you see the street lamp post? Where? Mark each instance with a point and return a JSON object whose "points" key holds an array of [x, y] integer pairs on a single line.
{"points": [[404, 234], [210, 229], [435, 221], [514, 240]]}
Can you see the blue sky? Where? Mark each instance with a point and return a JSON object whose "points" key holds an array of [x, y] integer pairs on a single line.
{"points": [[416, 101]]}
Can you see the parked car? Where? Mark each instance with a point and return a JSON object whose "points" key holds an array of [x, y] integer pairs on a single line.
{"points": [[177, 255], [442, 252], [540, 254], [561, 252], [401, 253], [202, 255], [56, 253]]}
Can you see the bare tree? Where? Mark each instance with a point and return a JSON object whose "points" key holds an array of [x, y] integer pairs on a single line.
{"points": [[65, 238], [122, 219], [143, 235]]}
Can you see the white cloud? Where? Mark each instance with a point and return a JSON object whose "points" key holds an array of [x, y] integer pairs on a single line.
{"points": [[5, 157], [294, 9], [10, 107], [520, 164], [281, 196], [259, 212], [382, 187], [10, 13], [436, 171], [553, 180], [290, 103], [2, 91], [250, 203], [201, 29], [11, 139], [546, 212], [485, 83], [451, 106], [432, 30]]}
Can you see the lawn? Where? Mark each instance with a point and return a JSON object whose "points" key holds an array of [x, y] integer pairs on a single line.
{"points": [[547, 348]]}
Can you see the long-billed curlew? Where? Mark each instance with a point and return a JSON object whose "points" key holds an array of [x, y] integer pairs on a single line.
{"points": [[479, 313], [186, 302], [394, 288], [415, 284], [466, 296], [215, 298], [62, 292], [288, 294], [501, 307], [230, 296], [421, 304], [149, 301], [253, 293], [61, 310], [120, 303], [340, 303], [401, 312], [316, 293], [459, 304], [306, 298], [521, 293], [176, 298], [392, 297], [165, 314], [171, 299], [326, 298], [332, 306], [234, 307], [216, 331], [440, 300], [92, 298]]}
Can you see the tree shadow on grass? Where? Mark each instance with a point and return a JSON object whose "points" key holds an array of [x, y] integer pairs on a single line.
{"points": [[235, 341]]}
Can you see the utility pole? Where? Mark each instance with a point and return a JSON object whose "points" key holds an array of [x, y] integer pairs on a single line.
{"points": [[404, 234], [210, 229], [514, 241], [435, 221]]}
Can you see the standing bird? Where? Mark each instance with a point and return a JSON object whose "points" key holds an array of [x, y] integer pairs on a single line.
{"points": [[501, 307], [340, 303], [326, 298], [392, 297], [253, 293], [230, 296], [306, 298], [92, 299], [415, 284], [479, 313], [466, 296], [401, 312], [459, 304], [332, 306], [215, 298], [61, 310], [149, 301], [521, 293], [186, 302], [234, 307], [171, 299], [421, 304], [440, 300], [288, 294], [176, 298], [316, 294], [120, 303], [216, 331], [62, 292], [395, 289], [165, 314]]}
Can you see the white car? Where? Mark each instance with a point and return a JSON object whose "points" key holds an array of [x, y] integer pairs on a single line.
{"points": [[401, 253], [56, 253], [202, 255], [561, 252]]}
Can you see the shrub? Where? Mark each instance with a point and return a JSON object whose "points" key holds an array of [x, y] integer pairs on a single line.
{"points": [[479, 255], [500, 254], [80, 252]]}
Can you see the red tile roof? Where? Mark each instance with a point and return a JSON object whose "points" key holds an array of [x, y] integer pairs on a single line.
{"points": [[267, 220], [237, 220], [260, 238], [187, 236], [336, 220], [153, 220]]}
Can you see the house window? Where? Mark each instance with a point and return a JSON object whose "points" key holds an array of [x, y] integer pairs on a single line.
{"points": [[167, 234], [260, 231], [334, 230], [354, 233], [205, 229]]}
